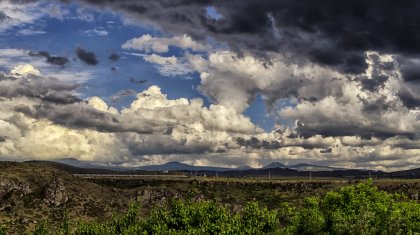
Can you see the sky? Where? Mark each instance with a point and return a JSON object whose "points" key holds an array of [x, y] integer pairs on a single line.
{"points": [[211, 82]]}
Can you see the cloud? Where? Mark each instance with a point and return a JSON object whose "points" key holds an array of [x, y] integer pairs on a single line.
{"points": [[409, 96], [25, 69], [170, 66], [28, 32], [16, 13], [177, 129], [117, 97], [331, 34], [56, 60], [225, 74], [148, 43], [85, 14], [345, 73], [26, 81], [185, 126], [114, 57], [73, 73], [97, 31], [87, 57], [348, 115], [327, 102], [57, 11]]}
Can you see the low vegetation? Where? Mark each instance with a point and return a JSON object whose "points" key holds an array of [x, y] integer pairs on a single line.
{"points": [[354, 209]]}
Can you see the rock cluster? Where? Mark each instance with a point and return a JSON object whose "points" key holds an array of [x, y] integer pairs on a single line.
{"points": [[55, 193]]}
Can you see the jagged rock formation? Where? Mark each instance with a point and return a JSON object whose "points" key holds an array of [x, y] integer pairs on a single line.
{"points": [[55, 193]]}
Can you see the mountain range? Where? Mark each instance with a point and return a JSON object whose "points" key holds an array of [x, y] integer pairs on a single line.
{"points": [[178, 166], [274, 169]]}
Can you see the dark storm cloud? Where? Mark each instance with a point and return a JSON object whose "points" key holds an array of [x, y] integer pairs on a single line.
{"points": [[76, 115], [3, 16], [378, 78], [378, 105], [255, 143], [55, 100], [81, 115], [46, 89], [87, 57], [411, 73], [114, 57], [329, 128], [409, 99], [22, 1], [410, 69], [348, 129], [132, 80], [372, 84], [329, 32], [56, 60], [158, 144]]}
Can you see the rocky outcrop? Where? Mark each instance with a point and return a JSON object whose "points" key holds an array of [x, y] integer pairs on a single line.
{"points": [[150, 196], [10, 185], [55, 193]]}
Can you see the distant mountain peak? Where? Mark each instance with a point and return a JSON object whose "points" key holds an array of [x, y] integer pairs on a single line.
{"points": [[311, 167], [275, 165], [245, 167]]}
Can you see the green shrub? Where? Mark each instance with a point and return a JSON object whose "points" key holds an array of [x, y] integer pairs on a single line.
{"points": [[358, 209], [41, 228], [2, 230], [91, 228]]}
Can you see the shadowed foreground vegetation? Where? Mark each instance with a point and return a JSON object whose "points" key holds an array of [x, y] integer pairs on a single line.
{"points": [[355, 209]]}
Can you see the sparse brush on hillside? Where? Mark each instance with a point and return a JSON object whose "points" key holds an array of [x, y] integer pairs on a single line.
{"points": [[356, 209]]}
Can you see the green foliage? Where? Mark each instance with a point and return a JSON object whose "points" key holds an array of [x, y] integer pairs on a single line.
{"points": [[256, 220], [356, 209], [65, 226], [206, 217], [130, 223], [2, 230], [91, 228], [41, 228], [359, 209]]}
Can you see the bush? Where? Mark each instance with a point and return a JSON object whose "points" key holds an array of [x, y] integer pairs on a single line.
{"points": [[359, 209], [206, 217], [2, 230], [41, 228]]}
